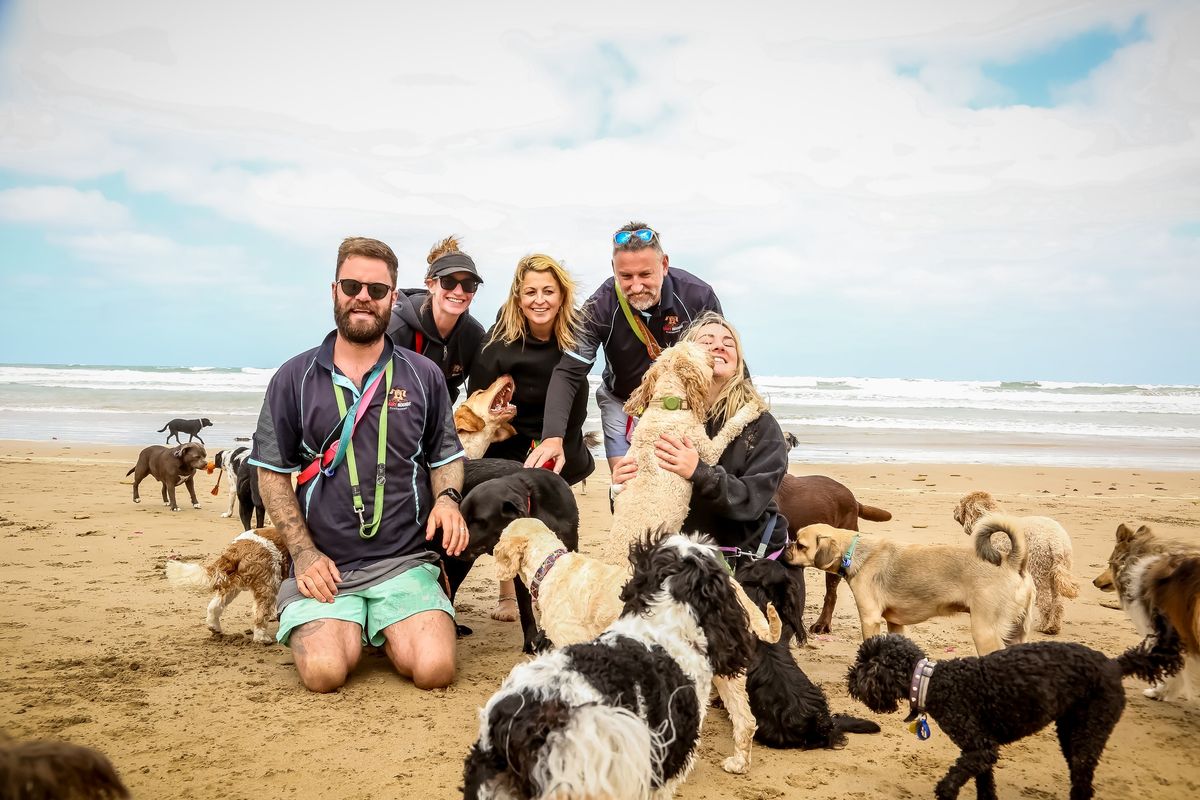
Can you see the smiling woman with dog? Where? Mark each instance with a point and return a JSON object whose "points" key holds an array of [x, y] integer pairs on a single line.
{"points": [[534, 327], [436, 321], [733, 500]]}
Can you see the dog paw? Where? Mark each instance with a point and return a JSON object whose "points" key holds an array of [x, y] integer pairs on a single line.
{"points": [[195, 505], [736, 765], [262, 637], [1154, 692], [174, 508], [225, 514], [819, 628], [136, 500]]}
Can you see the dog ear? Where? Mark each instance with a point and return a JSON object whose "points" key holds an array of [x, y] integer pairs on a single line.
{"points": [[1126, 533], [827, 554], [509, 553], [467, 421], [640, 397], [177, 452], [881, 673], [705, 584]]}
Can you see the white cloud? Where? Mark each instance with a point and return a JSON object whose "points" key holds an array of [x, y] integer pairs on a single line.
{"points": [[772, 143], [61, 207]]}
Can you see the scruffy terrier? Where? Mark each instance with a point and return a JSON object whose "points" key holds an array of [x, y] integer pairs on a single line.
{"points": [[992, 700]]}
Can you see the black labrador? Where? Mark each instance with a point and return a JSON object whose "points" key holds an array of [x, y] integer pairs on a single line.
{"points": [[496, 492], [189, 426]]}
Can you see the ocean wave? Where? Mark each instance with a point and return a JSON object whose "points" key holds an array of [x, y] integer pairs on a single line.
{"points": [[975, 426]]}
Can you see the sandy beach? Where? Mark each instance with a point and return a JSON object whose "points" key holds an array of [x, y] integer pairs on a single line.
{"points": [[96, 648]]}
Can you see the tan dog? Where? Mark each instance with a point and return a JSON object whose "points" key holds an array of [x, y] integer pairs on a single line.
{"points": [[1152, 577], [577, 598], [903, 584], [256, 561], [486, 417], [672, 398], [1049, 556]]}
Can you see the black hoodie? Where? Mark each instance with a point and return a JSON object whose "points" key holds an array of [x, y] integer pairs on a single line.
{"points": [[455, 355]]}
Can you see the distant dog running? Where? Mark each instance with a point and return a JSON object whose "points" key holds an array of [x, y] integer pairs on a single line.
{"points": [[1049, 556], [189, 426], [171, 467], [256, 561], [1156, 577], [993, 700]]}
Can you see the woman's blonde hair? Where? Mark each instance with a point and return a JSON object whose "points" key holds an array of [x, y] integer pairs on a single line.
{"points": [[511, 324], [739, 389]]}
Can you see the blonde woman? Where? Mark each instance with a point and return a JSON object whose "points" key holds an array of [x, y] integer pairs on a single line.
{"points": [[733, 500], [536, 323]]}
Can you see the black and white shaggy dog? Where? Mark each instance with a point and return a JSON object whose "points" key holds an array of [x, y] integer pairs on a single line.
{"points": [[984, 702], [791, 710], [619, 716]]}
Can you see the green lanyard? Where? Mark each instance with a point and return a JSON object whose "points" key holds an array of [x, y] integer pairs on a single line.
{"points": [[364, 530]]}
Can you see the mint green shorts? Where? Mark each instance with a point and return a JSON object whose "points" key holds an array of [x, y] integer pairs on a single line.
{"points": [[374, 608]]}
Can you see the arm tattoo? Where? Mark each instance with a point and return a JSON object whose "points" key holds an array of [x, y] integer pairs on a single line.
{"points": [[447, 476], [280, 500]]}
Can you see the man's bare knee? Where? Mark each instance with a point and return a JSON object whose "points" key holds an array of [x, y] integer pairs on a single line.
{"points": [[434, 673], [323, 673]]}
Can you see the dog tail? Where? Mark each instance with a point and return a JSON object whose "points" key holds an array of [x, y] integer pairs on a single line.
{"points": [[58, 769], [183, 575], [996, 523], [131, 469], [1064, 584], [1156, 657], [163, 428], [848, 724], [873, 514]]}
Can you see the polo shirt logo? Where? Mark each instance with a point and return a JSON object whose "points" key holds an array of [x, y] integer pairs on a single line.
{"points": [[398, 398], [671, 324], [457, 369]]}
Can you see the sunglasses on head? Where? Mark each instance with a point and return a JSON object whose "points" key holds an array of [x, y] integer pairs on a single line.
{"points": [[469, 285], [351, 288], [623, 237]]}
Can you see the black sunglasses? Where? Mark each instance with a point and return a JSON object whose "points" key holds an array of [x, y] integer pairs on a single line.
{"points": [[470, 285], [351, 288]]}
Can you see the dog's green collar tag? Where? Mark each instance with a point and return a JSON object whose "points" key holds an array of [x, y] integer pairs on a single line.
{"points": [[672, 403], [848, 558]]}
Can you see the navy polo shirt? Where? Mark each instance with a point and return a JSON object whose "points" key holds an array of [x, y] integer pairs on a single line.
{"points": [[300, 420]]}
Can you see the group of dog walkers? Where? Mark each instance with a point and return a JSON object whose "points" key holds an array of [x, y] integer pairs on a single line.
{"points": [[366, 420]]}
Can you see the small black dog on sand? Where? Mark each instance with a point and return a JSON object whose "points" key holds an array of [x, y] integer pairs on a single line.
{"points": [[791, 710], [982, 703], [189, 426]]}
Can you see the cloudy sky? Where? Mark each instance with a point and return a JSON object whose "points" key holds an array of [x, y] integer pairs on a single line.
{"points": [[1000, 190]]}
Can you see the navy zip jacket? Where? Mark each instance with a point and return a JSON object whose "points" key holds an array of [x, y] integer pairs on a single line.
{"points": [[684, 297], [454, 355]]}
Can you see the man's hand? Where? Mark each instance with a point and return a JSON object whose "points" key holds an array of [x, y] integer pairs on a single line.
{"points": [[677, 455], [549, 450], [445, 515], [316, 575]]}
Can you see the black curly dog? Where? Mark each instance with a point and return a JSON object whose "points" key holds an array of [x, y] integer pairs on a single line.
{"points": [[791, 710], [982, 703]]}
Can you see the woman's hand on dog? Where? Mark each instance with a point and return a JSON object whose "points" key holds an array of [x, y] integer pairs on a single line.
{"points": [[625, 470], [445, 515], [316, 575], [677, 455]]}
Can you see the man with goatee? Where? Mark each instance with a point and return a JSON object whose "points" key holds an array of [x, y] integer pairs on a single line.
{"points": [[369, 427], [634, 315]]}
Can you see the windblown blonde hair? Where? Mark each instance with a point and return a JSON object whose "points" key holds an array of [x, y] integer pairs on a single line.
{"points": [[739, 389], [511, 324]]}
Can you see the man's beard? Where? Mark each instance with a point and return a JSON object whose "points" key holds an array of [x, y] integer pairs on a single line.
{"points": [[643, 302], [363, 332]]}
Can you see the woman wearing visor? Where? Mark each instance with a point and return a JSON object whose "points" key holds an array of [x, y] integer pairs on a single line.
{"points": [[436, 321]]}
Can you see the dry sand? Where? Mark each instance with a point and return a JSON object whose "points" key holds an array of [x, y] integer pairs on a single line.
{"points": [[96, 648]]}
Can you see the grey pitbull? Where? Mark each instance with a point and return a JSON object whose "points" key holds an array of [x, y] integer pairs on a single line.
{"points": [[171, 467]]}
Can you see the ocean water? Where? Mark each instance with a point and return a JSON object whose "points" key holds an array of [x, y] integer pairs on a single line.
{"points": [[835, 419]]}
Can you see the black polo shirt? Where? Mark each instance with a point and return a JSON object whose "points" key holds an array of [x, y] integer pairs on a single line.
{"points": [[684, 297], [300, 420]]}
